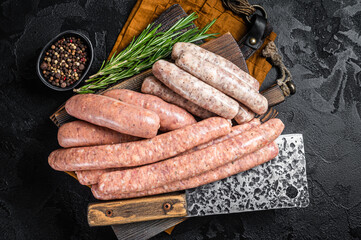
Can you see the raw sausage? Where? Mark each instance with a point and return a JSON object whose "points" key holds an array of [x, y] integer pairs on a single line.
{"points": [[223, 81], [236, 130], [189, 165], [153, 86], [80, 133], [171, 117], [119, 116], [239, 165], [195, 90], [244, 114], [91, 177], [211, 57], [141, 152]]}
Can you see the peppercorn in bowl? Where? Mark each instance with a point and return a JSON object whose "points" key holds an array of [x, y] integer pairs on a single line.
{"points": [[65, 60]]}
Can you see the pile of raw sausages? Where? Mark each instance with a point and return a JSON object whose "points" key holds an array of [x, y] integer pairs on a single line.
{"points": [[116, 147]]}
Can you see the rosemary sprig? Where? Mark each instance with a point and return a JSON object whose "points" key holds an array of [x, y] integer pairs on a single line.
{"points": [[143, 52]]}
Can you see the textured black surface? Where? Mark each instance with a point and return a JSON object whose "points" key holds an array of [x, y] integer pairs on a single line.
{"points": [[319, 41]]}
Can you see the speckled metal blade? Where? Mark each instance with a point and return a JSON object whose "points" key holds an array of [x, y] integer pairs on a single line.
{"points": [[279, 183]]}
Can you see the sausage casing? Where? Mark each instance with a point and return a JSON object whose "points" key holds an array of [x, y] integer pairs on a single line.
{"points": [[236, 130], [239, 165], [171, 116], [244, 114], [140, 152], [91, 177], [220, 61], [79, 133], [153, 86], [223, 81], [119, 116], [195, 90], [189, 165]]}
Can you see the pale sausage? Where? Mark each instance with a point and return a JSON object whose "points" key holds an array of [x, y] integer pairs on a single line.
{"points": [[195, 90], [211, 57], [153, 86], [223, 81]]}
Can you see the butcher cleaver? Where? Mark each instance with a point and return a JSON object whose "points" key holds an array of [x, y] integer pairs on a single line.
{"points": [[279, 183]]}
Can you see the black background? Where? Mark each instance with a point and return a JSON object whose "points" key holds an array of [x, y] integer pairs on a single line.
{"points": [[321, 44]]}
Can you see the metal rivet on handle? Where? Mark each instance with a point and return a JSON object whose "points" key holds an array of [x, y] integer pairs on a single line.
{"points": [[167, 206], [109, 212], [292, 87], [252, 41]]}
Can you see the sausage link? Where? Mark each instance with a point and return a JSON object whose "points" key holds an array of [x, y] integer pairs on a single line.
{"points": [[189, 165], [244, 114], [223, 81], [80, 133], [152, 86], [236, 130], [171, 116], [91, 177], [195, 90], [141, 152], [242, 164], [211, 57], [119, 116]]}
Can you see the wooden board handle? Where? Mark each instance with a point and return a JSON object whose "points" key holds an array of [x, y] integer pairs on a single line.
{"points": [[137, 210]]}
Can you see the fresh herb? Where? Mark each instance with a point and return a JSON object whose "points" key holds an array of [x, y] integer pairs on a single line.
{"points": [[143, 52]]}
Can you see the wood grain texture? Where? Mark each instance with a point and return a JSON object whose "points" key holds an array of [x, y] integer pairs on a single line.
{"points": [[274, 95], [137, 210]]}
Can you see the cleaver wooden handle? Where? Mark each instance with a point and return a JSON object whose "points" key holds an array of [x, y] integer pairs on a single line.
{"points": [[137, 210]]}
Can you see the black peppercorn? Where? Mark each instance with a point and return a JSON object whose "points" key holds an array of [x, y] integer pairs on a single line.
{"points": [[43, 66]]}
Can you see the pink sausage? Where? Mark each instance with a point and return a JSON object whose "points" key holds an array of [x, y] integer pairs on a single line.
{"points": [[80, 133], [171, 116], [189, 165], [90, 177], [140, 152], [110, 113], [239, 165], [236, 130]]}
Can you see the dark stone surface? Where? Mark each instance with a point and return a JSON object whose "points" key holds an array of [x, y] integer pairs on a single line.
{"points": [[320, 43]]}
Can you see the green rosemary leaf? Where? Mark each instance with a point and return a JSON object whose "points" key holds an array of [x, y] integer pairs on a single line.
{"points": [[144, 51]]}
